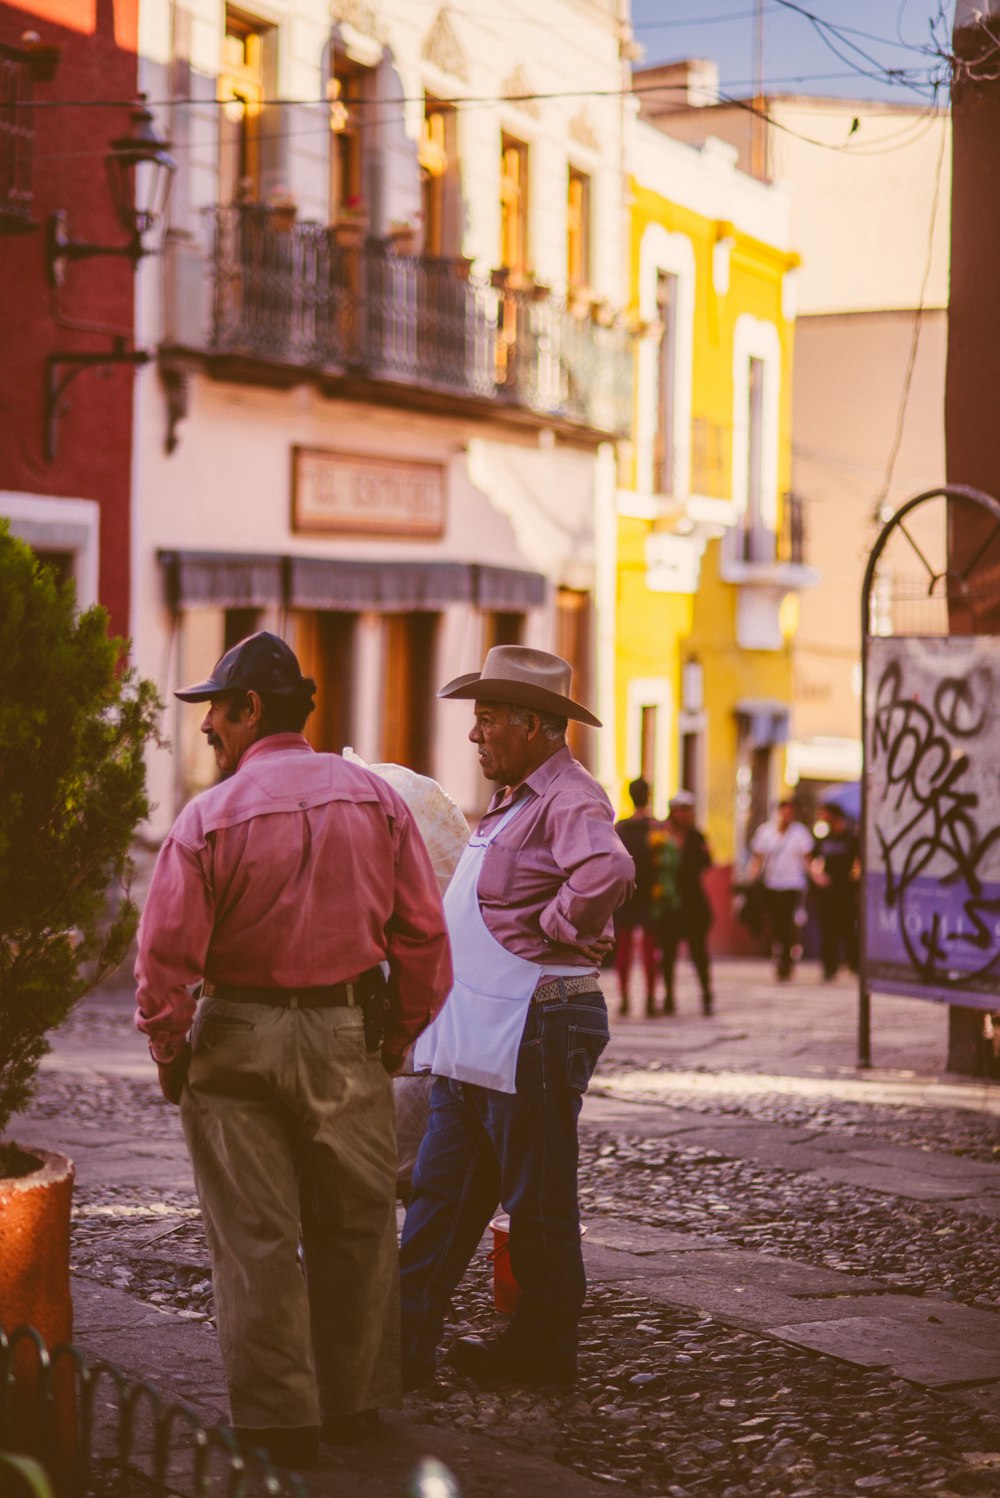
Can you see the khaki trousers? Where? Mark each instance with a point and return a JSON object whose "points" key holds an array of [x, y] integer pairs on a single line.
{"points": [[290, 1127]]}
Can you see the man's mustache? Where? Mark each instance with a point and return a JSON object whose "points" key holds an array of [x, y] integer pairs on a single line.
{"points": [[214, 740]]}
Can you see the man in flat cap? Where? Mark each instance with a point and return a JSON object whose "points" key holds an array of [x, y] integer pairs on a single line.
{"points": [[529, 912], [289, 888]]}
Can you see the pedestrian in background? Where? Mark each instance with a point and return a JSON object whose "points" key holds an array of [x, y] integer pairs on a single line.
{"points": [[635, 917], [285, 888], [781, 850], [529, 911], [684, 914], [835, 870]]}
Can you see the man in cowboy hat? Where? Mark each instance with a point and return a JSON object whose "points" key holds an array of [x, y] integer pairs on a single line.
{"points": [[286, 887], [529, 911]]}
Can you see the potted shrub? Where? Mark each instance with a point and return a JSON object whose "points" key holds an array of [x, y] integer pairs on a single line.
{"points": [[282, 208], [351, 224], [579, 299], [43, 59], [74, 724], [403, 237]]}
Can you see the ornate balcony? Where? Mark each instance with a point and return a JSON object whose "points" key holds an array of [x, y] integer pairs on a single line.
{"points": [[291, 304]]}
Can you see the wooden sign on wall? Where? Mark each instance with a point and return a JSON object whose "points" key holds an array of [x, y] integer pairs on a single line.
{"points": [[342, 494]]}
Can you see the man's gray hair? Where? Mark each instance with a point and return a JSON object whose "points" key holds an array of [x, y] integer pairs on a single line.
{"points": [[553, 727]]}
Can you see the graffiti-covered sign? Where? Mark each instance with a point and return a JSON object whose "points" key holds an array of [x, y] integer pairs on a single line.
{"points": [[932, 774]]}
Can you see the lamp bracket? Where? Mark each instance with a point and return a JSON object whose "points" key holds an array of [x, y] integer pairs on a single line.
{"points": [[60, 248], [73, 364]]}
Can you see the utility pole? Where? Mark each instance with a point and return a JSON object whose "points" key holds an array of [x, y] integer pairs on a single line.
{"points": [[973, 368], [758, 124]]}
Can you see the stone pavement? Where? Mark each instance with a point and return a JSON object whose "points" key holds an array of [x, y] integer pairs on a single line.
{"points": [[799, 1039], [682, 1081]]}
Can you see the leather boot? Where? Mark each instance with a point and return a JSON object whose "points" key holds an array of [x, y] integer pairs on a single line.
{"points": [[349, 1430], [502, 1360], [296, 1447]]}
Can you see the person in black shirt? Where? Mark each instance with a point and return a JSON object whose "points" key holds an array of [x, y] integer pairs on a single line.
{"points": [[636, 915], [835, 870], [683, 908]]}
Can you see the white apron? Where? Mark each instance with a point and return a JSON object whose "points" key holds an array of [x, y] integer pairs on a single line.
{"points": [[476, 1036]]}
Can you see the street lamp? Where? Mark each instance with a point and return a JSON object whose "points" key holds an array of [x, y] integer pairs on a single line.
{"points": [[140, 174]]}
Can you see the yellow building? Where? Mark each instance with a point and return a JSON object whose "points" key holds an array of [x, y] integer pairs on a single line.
{"points": [[709, 535]]}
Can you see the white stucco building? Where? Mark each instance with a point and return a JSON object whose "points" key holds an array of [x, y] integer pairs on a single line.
{"points": [[391, 372]]}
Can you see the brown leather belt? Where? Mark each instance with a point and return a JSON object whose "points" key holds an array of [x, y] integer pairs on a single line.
{"points": [[561, 988], [322, 996]]}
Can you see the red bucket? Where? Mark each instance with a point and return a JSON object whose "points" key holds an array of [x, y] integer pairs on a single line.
{"points": [[505, 1287], [506, 1290]]}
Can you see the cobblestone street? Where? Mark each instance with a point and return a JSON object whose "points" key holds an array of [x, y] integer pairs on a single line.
{"points": [[794, 1269]]}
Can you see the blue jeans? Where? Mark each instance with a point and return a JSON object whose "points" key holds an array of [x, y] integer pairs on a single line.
{"points": [[483, 1149]]}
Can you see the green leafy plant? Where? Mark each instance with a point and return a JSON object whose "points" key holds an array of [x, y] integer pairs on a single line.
{"points": [[27, 1477], [74, 724]]}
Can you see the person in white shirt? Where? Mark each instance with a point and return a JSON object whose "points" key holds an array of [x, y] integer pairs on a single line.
{"points": [[780, 853]]}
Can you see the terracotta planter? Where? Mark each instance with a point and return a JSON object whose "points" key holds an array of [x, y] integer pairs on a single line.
{"points": [[282, 219], [350, 234], [578, 302], [34, 1291], [404, 241]]}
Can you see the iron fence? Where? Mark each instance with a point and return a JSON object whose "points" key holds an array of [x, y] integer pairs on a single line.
{"points": [[300, 296], [97, 1434]]}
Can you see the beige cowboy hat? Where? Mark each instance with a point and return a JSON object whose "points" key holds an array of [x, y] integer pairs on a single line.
{"points": [[523, 678]]}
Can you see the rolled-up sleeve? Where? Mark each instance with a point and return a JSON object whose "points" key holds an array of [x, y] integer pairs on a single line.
{"points": [[600, 875], [418, 950], [174, 935]]}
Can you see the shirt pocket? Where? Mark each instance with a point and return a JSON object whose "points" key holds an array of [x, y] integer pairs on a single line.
{"points": [[518, 876]]}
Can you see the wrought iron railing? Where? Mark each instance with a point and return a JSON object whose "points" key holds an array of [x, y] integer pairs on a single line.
{"points": [[757, 542], [299, 296], [710, 459], [792, 532], [16, 140]]}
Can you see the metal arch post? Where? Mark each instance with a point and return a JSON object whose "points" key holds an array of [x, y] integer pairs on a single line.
{"points": [[946, 491]]}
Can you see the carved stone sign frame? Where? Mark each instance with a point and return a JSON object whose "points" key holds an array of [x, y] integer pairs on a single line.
{"points": [[349, 494]]}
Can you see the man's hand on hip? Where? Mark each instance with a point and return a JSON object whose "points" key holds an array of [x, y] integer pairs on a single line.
{"points": [[173, 1074], [597, 949]]}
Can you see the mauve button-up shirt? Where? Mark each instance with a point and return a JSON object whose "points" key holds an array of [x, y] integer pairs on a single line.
{"points": [[552, 879], [301, 869]]}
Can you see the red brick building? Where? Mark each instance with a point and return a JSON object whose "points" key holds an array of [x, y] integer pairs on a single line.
{"points": [[67, 77]]}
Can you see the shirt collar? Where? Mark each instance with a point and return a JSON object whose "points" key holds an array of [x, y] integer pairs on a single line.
{"points": [[539, 780], [274, 743]]}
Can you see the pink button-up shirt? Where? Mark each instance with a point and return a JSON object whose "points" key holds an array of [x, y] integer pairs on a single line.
{"points": [[554, 876], [300, 869]]}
